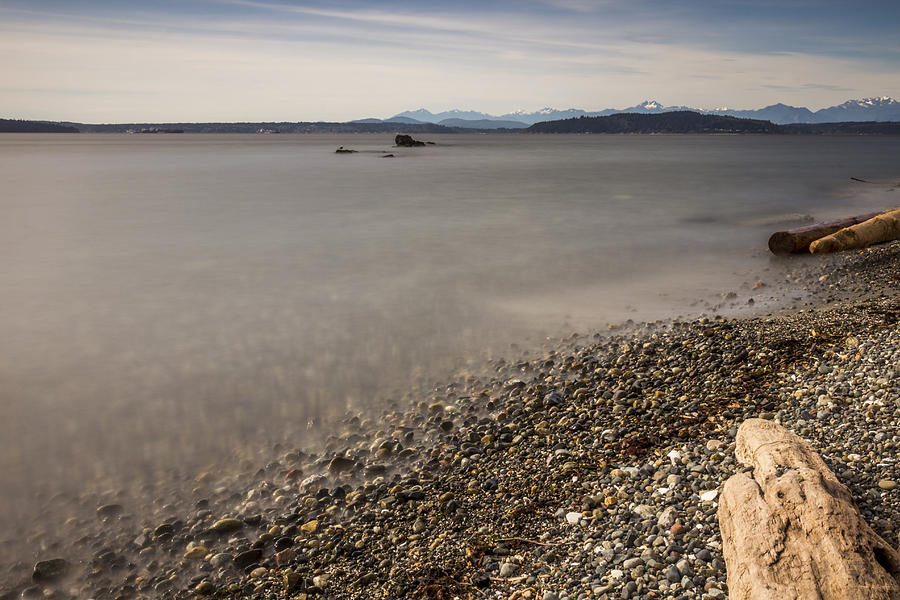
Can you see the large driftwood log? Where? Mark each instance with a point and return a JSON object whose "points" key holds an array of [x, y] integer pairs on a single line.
{"points": [[882, 228], [792, 532], [799, 239]]}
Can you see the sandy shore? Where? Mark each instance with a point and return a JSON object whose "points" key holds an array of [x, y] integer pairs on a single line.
{"points": [[590, 472]]}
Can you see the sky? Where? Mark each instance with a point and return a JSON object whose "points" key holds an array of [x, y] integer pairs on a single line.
{"points": [[293, 60]]}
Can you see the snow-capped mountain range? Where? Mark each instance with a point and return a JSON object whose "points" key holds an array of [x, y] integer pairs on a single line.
{"points": [[865, 109]]}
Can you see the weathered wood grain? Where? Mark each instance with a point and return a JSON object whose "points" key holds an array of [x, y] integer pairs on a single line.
{"points": [[882, 228], [791, 531]]}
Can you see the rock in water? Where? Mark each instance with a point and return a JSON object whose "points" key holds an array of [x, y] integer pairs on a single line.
{"points": [[340, 464], [50, 570], [109, 511], [406, 141], [792, 530]]}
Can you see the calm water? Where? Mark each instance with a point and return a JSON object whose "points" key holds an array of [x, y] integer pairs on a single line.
{"points": [[165, 300]]}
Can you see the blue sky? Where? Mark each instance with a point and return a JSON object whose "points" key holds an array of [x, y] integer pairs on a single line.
{"points": [[230, 60]]}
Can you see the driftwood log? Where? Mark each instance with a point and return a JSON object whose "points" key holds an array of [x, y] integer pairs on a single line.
{"points": [[798, 240], [882, 228], [792, 532]]}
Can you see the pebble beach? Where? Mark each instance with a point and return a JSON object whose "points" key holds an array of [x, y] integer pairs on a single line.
{"points": [[589, 471]]}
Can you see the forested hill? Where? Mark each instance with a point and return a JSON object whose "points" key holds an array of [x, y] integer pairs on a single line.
{"points": [[672, 122], [18, 126], [692, 122], [846, 127]]}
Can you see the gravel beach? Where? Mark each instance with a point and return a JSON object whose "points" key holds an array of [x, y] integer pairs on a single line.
{"points": [[592, 471]]}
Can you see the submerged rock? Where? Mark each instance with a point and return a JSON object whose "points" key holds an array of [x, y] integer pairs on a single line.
{"points": [[50, 570], [339, 464], [109, 511]]}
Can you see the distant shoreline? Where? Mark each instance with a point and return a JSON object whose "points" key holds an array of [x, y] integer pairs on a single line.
{"points": [[680, 122]]}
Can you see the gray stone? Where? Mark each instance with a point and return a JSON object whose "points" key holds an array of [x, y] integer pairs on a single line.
{"points": [[419, 525], [673, 575], [220, 560], [247, 558], [667, 517], [50, 570]]}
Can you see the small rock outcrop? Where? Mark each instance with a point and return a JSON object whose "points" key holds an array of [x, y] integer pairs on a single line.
{"points": [[792, 532], [406, 141]]}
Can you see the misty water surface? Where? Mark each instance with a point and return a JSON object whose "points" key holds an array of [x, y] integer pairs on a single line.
{"points": [[166, 300]]}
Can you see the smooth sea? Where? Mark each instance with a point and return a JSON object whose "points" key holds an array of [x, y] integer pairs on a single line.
{"points": [[169, 303]]}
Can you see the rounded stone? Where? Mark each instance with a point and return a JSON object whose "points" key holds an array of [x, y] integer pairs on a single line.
{"points": [[196, 552], [221, 559], [50, 570], [205, 588], [226, 525], [310, 526]]}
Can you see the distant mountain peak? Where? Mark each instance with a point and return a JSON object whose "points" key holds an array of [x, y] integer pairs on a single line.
{"points": [[419, 113], [866, 102], [882, 108]]}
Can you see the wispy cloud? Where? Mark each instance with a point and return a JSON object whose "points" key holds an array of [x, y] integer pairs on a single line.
{"points": [[254, 59], [74, 91], [826, 86], [809, 86]]}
